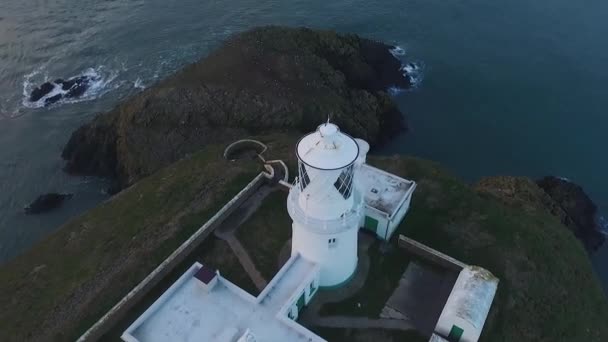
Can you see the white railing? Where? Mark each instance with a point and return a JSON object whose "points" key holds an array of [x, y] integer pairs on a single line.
{"points": [[349, 219]]}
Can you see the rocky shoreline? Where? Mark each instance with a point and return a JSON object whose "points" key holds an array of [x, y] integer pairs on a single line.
{"points": [[578, 212], [269, 79], [284, 81]]}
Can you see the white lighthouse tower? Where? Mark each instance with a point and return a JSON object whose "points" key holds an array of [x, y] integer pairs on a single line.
{"points": [[325, 206]]}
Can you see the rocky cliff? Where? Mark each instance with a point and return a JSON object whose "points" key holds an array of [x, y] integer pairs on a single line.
{"points": [[581, 215], [559, 197], [266, 79]]}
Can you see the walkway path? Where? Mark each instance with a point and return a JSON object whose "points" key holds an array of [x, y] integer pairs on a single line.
{"points": [[246, 262], [227, 231]]}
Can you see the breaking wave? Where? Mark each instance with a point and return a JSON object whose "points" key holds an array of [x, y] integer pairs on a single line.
{"points": [[139, 84], [414, 71], [102, 80], [397, 51]]}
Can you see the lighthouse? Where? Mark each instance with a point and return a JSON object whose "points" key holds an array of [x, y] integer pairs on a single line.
{"points": [[324, 204]]}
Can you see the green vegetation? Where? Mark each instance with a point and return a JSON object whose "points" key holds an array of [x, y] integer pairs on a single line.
{"points": [[268, 79], [265, 233], [63, 284], [548, 290]]}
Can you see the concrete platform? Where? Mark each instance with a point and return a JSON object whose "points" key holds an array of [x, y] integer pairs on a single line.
{"points": [[420, 296], [188, 312]]}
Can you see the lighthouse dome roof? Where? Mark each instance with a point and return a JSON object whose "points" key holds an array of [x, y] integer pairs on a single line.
{"points": [[327, 148]]}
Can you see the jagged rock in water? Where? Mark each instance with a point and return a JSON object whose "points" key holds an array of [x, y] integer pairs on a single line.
{"points": [[72, 88], [264, 80], [46, 203]]}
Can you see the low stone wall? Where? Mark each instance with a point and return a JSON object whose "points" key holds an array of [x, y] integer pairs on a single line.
{"points": [[430, 254], [126, 303], [244, 144]]}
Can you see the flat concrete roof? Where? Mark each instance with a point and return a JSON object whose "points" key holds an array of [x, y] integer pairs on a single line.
{"points": [[187, 312], [381, 190]]}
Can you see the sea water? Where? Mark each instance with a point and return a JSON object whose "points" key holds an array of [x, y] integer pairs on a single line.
{"points": [[502, 87]]}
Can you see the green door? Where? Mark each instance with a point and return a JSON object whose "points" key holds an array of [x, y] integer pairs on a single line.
{"points": [[300, 303], [371, 224], [455, 334]]}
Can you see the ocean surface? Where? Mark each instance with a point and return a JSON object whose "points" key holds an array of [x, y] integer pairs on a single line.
{"points": [[505, 87]]}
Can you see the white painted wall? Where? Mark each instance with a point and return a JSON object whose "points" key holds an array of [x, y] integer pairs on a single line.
{"points": [[375, 214], [338, 262], [469, 303], [395, 221]]}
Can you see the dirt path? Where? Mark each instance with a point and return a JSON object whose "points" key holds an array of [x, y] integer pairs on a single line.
{"points": [[246, 262], [228, 229]]}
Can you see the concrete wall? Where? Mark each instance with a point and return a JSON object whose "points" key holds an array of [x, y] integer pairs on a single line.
{"points": [[126, 303], [289, 311], [430, 254], [395, 221]]}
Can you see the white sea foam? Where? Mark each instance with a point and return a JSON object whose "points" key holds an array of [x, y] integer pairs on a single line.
{"points": [[394, 91], [415, 72], [397, 51], [412, 70], [101, 80], [139, 84]]}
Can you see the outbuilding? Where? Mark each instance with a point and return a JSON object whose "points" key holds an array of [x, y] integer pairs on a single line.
{"points": [[466, 310]]}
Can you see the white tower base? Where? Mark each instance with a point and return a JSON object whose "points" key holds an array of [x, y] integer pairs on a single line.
{"points": [[336, 253]]}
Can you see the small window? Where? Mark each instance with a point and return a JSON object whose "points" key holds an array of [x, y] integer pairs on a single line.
{"points": [[332, 242], [304, 179], [374, 191], [344, 182]]}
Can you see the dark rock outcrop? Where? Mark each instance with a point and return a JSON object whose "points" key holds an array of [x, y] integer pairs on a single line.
{"points": [[46, 203], [562, 199], [581, 213], [72, 88], [269, 79]]}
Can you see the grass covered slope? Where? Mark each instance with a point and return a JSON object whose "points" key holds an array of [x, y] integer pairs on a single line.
{"points": [[67, 281], [548, 290]]}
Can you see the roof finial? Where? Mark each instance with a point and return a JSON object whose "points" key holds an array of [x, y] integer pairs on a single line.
{"points": [[328, 117]]}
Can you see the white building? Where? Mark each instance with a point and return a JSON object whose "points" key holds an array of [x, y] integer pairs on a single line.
{"points": [[386, 197], [467, 308], [335, 194]]}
